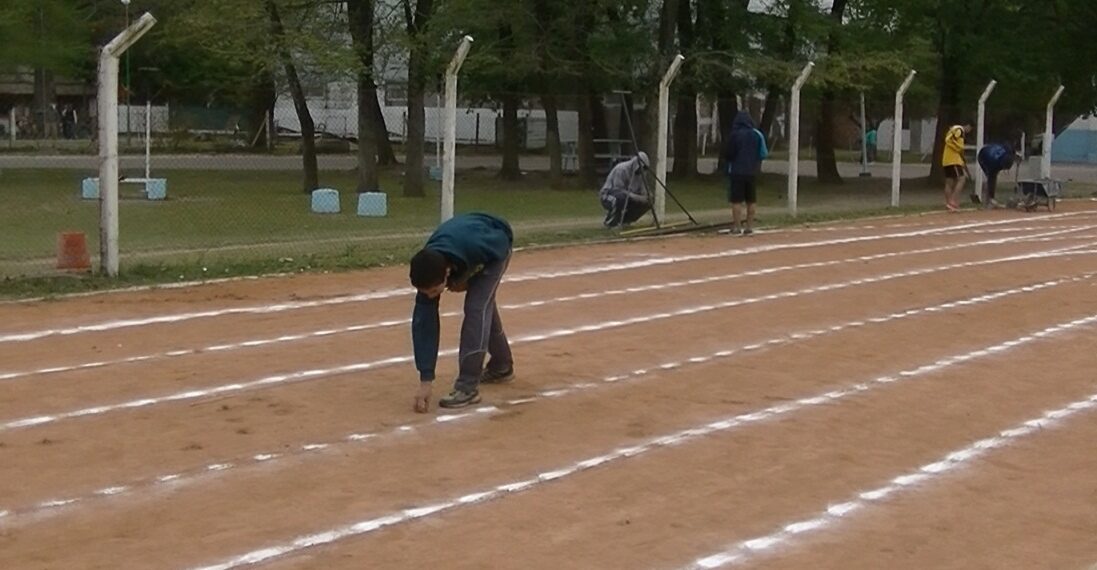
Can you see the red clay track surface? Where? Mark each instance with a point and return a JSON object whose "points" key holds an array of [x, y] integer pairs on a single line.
{"points": [[902, 393]]}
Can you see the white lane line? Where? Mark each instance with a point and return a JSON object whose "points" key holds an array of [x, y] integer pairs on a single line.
{"points": [[318, 373], [677, 438], [830, 227], [836, 513], [588, 270], [487, 411], [289, 338], [1004, 230]]}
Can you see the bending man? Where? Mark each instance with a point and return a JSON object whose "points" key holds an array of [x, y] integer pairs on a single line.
{"points": [[468, 253]]}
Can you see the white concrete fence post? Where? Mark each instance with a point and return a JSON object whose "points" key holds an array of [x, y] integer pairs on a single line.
{"points": [[1049, 134], [980, 136], [794, 139], [661, 136], [108, 140], [897, 140], [449, 150]]}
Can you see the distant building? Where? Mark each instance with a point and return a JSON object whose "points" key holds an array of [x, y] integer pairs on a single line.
{"points": [[17, 94]]}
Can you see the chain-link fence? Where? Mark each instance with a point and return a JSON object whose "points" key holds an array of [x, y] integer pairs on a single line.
{"points": [[212, 190]]}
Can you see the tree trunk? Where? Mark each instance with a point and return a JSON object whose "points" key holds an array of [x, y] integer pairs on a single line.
{"points": [[786, 50], [263, 97], [825, 159], [308, 128], [368, 176], [598, 117], [646, 125], [629, 123], [769, 113], [415, 144], [585, 144], [511, 139], [685, 137], [547, 78], [272, 130], [385, 154], [715, 19], [726, 107], [947, 115], [582, 22], [552, 141], [668, 23], [45, 95], [685, 119], [360, 19]]}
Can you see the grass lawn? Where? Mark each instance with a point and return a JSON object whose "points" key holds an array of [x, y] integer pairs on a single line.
{"points": [[218, 223]]}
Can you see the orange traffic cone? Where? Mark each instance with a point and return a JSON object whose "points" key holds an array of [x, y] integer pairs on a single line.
{"points": [[72, 251]]}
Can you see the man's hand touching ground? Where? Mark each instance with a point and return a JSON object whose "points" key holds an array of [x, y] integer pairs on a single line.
{"points": [[422, 397]]}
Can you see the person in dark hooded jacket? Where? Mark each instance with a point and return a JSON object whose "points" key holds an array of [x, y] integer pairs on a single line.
{"points": [[993, 159], [744, 149]]}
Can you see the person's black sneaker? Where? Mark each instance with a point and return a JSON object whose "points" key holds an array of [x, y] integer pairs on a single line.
{"points": [[490, 376], [747, 231], [976, 199], [460, 399]]}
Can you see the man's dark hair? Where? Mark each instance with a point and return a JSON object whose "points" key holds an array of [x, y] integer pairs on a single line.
{"points": [[428, 269]]}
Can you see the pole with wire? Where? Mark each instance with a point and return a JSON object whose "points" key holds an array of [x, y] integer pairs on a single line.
{"points": [[864, 140], [107, 97], [794, 139], [661, 137], [897, 139], [1049, 134], [980, 134], [647, 169], [129, 111], [636, 153]]}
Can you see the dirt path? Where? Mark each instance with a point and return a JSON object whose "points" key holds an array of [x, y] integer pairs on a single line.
{"points": [[178, 481]]}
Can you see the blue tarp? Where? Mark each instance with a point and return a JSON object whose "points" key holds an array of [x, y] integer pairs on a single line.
{"points": [[1075, 145]]}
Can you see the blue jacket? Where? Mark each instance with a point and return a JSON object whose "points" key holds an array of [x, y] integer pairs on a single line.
{"points": [[743, 147], [469, 242], [996, 157]]}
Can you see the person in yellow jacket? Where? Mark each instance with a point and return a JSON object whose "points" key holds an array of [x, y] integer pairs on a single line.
{"points": [[955, 165]]}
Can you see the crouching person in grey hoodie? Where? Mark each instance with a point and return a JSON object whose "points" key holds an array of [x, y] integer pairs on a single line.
{"points": [[624, 195]]}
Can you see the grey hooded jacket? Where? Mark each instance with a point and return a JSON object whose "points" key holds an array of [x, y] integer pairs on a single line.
{"points": [[627, 177]]}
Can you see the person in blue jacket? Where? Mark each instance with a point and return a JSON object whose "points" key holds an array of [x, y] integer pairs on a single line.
{"points": [[744, 150], [993, 159], [469, 253]]}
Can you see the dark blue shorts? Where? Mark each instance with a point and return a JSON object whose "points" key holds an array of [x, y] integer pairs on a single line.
{"points": [[742, 189]]}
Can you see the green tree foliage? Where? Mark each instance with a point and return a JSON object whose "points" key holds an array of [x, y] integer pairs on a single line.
{"points": [[47, 34], [573, 54], [1019, 43]]}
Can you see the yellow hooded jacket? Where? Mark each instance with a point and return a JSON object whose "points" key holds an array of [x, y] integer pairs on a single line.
{"points": [[953, 154]]}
